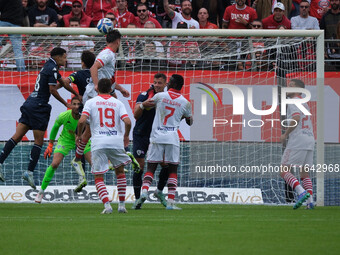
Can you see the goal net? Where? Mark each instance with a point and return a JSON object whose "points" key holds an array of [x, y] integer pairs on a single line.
{"points": [[226, 156]]}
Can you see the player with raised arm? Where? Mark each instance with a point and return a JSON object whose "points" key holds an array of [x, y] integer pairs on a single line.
{"points": [[105, 114], [103, 67], [35, 112], [299, 150], [171, 108], [66, 143], [144, 114]]}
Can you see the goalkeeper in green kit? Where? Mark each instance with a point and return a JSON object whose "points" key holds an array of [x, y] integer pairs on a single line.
{"points": [[66, 143]]}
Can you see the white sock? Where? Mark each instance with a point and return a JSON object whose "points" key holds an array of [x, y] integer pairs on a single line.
{"points": [[299, 189]]}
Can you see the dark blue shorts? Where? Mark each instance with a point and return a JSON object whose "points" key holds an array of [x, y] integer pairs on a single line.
{"points": [[35, 115], [140, 145]]}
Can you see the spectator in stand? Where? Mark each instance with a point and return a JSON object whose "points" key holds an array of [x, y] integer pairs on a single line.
{"points": [[62, 7], [77, 12], [96, 9], [74, 47], [123, 16], [330, 20], [238, 16], [42, 16], [151, 4], [110, 15], [184, 16], [144, 16], [203, 17], [333, 48], [26, 21], [12, 16], [318, 8], [213, 7], [162, 17], [265, 8], [304, 21], [277, 18]]}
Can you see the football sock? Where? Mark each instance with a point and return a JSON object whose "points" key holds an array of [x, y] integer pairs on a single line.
{"points": [[293, 182], [163, 178], [121, 187], [35, 154], [308, 186], [80, 149], [10, 144], [48, 177], [172, 185], [137, 183], [101, 190], [148, 178]]}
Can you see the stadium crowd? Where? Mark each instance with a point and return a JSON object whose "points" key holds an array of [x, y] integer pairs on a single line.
{"points": [[197, 14]]}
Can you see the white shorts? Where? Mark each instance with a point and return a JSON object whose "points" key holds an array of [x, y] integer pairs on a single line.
{"points": [[100, 159], [159, 152], [297, 158], [90, 92]]}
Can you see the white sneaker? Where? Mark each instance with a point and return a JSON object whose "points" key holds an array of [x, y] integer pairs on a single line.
{"points": [[172, 206], [82, 183], [107, 211], [78, 166], [122, 209], [28, 176], [39, 197], [2, 177]]}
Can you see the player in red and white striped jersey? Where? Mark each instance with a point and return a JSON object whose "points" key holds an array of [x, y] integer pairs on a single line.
{"points": [[299, 149], [106, 114], [171, 108]]}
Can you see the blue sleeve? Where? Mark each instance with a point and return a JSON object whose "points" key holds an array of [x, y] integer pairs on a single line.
{"points": [[141, 98]]}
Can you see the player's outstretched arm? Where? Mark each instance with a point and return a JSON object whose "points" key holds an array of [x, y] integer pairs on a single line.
{"points": [[55, 93], [81, 123], [94, 73], [53, 135], [66, 83], [124, 92], [127, 123], [139, 108]]}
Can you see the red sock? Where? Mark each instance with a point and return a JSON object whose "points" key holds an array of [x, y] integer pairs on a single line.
{"points": [[307, 185], [121, 187], [101, 189], [80, 149], [147, 180], [291, 180], [172, 185]]}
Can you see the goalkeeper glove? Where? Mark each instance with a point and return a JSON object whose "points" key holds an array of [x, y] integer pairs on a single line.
{"points": [[48, 150]]}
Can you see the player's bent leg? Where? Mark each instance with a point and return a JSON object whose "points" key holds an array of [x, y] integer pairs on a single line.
{"points": [[85, 137], [135, 165], [147, 180]]}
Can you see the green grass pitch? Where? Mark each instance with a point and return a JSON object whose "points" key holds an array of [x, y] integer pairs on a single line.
{"points": [[197, 229]]}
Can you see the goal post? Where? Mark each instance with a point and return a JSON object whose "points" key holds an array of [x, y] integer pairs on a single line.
{"points": [[207, 59]]}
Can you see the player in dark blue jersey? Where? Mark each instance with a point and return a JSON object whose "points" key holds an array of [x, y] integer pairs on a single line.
{"points": [[35, 112], [144, 114], [82, 77]]}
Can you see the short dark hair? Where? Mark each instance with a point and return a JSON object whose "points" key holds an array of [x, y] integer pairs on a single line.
{"points": [[176, 81], [304, 1], [88, 58], [74, 19], [142, 4], [75, 98], [57, 51], [160, 75], [104, 85], [298, 83], [113, 35]]}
